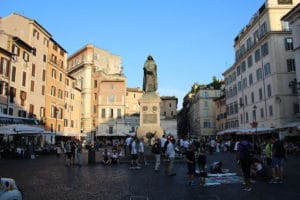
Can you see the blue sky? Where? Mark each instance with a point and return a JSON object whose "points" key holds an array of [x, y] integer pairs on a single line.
{"points": [[191, 41]]}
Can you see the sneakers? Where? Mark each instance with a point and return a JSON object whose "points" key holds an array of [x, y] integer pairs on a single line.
{"points": [[248, 189], [276, 180]]}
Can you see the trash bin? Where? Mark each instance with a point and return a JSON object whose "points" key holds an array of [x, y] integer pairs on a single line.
{"points": [[91, 156]]}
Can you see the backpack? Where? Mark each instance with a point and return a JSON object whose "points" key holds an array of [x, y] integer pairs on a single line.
{"points": [[155, 149]]}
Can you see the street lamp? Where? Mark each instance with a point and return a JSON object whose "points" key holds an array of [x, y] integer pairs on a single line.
{"points": [[56, 115], [254, 123]]}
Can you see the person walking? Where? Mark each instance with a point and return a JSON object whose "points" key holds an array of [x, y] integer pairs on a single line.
{"points": [[134, 156], [141, 151], [202, 163], [79, 154], [127, 147], [190, 158], [156, 150], [171, 155], [244, 157], [68, 153], [278, 160]]}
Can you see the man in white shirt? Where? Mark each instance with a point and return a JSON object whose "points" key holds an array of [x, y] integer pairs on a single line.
{"points": [[162, 142], [171, 155], [134, 156], [141, 151], [127, 145]]}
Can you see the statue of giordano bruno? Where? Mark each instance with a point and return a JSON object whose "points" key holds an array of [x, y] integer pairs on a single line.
{"points": [[150, 75]]}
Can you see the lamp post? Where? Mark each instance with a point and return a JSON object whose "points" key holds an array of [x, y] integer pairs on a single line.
{"points": [[254, 123], [56, 113]]}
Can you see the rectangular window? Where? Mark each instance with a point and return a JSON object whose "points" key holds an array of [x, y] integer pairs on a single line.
{"points": [[4, 66], [238, 70], [95, 108], [269, 90], [95, 83], [33, 70], [244, 85], [250, 79], [285, 1], [250, 61], [111, 114], [246, 100], [257, 55], [243, 66], [259, 74], [256, 36], [24, 79], [270, 110], [267, 69], [264, 49], [119, 113], [43, 90], [53, 73], [288, 42], [291, 66], [65, 123], [44, 75], [252, 97], [263, 29], [16, 50], [32, 86], [262, 115], [25, 56], [249, 43], [103, 113], [260, 93], [53, 91], [13, 74], [23, 95], [31, 110]]}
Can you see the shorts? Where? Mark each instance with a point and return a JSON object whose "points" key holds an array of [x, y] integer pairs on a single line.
{"points": [[277, 162], [191, 168]]}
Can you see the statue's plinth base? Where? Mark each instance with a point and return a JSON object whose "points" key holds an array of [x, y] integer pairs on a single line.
{"points": [[150, 115], [143, 130]]}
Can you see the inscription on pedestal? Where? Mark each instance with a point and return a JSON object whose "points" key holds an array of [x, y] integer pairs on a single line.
{"points": [[149, 118]]}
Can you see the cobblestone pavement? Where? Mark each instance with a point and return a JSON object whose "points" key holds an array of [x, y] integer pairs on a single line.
{"points": [[48, 178]]}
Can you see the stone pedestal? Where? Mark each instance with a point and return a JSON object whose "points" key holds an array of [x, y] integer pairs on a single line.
{"points": [[150, 115]]}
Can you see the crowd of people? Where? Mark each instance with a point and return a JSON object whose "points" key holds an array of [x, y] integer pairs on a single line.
{"points": [[266, 165]]}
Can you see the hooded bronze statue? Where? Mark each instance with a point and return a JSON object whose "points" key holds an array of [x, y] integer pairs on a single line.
{"points": [[150, 75]]}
